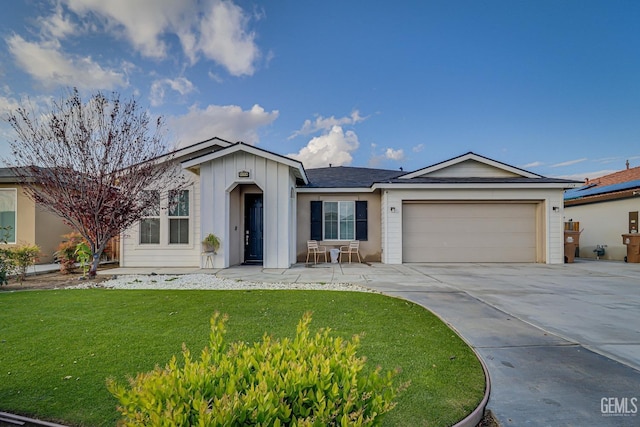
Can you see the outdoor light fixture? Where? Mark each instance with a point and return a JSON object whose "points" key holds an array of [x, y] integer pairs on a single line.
{"points": [[556, 209], [392, 209]]}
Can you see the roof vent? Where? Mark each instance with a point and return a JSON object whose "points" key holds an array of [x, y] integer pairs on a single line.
{"points": [[627, 163]]}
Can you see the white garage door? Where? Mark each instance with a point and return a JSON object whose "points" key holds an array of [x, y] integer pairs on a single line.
{"points": [[468, 232]]}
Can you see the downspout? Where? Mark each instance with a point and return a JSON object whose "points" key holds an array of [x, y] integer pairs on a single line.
{"points": [[386, 227]]}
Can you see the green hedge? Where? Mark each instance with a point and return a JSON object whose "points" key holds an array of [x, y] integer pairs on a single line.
{"points": [[310, 380]]}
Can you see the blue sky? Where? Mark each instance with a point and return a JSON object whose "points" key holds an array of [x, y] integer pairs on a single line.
{"points": [[550, 86]]}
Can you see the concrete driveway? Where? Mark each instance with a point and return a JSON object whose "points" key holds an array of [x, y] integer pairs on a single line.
{"points": [[562, 342]]}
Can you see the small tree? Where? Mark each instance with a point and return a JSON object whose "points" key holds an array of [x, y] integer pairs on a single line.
{"points": [[90, 162]]}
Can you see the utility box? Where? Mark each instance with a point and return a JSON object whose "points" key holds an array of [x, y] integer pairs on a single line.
{"points": [[632, 240], [633, 222], [571, 242]]}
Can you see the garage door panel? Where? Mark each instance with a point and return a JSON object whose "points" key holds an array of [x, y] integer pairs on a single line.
{"points": [[489, 225], [469, 254], [469, 232], [479, 240]]}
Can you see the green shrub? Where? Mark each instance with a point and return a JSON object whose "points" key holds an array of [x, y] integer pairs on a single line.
{"points": [[307, 381], [23, 257], [66, 252], [83, 255], [7, 266]]}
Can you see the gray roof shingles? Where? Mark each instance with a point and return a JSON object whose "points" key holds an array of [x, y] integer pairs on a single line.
{"points": [[354, 177], [348, 177]]}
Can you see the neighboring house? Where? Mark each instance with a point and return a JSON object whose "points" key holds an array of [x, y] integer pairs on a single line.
{"points": [[264, 207], [606, 208], [29, 223]]}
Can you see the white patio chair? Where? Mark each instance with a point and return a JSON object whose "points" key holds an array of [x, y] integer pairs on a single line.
{"points": [[352, 248], [315, 250]]}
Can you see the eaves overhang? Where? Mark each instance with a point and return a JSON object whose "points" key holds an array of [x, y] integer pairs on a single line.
{"points": [[335, 190], [470, 185], [601, 198]]}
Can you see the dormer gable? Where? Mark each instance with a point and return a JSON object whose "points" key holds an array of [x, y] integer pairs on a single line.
{"points": [[470, 165]]}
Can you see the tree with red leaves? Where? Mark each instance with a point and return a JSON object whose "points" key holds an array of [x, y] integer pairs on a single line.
{"points": [[91, 162]]}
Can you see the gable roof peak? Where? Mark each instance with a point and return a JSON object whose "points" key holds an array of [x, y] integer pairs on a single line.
{"points": [[489, 164]]}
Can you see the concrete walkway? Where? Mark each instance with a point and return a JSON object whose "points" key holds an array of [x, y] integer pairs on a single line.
{"points": [[562, 342]]}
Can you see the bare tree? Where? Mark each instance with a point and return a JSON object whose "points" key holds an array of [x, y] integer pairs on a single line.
{"points": [[91, 162]]}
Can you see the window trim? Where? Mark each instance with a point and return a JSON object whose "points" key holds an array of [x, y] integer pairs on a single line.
{"points": [[339, 221], [171, 217], [165, 224], [15, 213], [156, 217], [316, 219]]}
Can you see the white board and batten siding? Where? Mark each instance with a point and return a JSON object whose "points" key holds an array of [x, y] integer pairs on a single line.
{"points": [[134, 254], [219, 177], [471, 168], [472, 225]]}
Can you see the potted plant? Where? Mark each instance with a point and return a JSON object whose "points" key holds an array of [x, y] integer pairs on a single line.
{"points": [[211, 243]]}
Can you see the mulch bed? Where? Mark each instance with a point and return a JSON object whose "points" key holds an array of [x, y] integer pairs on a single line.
{"points": [[54, 280]]}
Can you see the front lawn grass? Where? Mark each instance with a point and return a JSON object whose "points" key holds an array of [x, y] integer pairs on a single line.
{"points": [[58, 347]]}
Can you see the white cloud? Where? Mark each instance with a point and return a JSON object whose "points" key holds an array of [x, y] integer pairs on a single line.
{"points": [[334, 147], [392, 154], [141, 22], [217, 29], [532, 165], [214, 29], [583, 175], [569, 162], [229, 122], [327, 123], [213, 76], [58, 25], [225, 39], [181, 85], [47, 64], [8, 104], [418, 148]]}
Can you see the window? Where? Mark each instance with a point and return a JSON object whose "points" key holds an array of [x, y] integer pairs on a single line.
{"points": [[150, 224], [339, 221], [346, 220], [8, 205], [179, 217]]}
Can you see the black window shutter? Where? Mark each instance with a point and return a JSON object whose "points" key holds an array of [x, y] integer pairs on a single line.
{"points": [[361, 220], [316, 220]]}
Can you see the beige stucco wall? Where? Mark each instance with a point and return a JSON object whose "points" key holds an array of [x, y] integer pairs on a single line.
{"points": [[36, 226], [370, 249], [603, 224], [49, 229]]}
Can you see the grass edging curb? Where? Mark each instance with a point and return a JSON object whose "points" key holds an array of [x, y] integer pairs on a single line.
{"points": [[474, 418], [18, 420]]}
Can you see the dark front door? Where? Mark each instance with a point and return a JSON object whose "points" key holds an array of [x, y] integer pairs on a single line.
{"points": [[253, 221]]}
